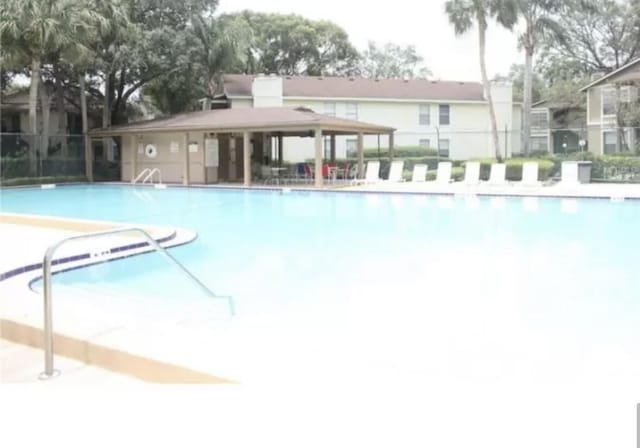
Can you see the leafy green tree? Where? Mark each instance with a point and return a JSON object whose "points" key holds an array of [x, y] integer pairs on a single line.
{"points": [[539, 18], [516, 78], [293, 45], [392, 61], [592, 36], [463, 15]]}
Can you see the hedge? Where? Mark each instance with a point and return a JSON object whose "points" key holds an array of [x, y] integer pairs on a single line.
{"points": [[40, 180], [400, 152], [546, 168]]}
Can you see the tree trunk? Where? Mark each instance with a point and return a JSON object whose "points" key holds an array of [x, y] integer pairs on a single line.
{"points": [[62, 115], [106, 111], [33, 116], [482, 29], [45, 101], [528, 93], [88, 156]]}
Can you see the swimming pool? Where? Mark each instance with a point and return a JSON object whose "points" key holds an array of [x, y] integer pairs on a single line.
{"points": [[463, 286]]}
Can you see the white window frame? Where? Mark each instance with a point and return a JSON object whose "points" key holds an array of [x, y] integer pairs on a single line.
{"points": [[615, 132], [424, 112], [625, 97], [420, 141], [330, 108], [440, 106], [540, 137], [352, 111], [540, 111], [440, 141]]}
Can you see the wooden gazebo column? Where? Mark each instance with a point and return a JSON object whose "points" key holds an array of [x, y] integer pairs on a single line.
{"points": [[318, 158], [246, 158], [392, 148], [360, 155], [333, 148]]}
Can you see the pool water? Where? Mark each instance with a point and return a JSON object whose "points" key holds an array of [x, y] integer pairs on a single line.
{"points": [[479, 287]]}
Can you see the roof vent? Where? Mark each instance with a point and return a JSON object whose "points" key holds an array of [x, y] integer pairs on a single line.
{"points": [[351, 78], [320, 78], [405, 79]]}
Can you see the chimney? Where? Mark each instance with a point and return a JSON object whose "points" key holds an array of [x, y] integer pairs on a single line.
{"points": [[267, 91]]}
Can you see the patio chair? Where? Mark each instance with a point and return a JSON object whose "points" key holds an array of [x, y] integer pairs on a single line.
{"points": [[530, 175], [372, 174], [395, 171], [471, 173], [498, 176], [443, 176], [419, 173]]}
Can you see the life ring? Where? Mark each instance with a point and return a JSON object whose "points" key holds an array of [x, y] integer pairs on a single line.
{"points": [[151, 151]]}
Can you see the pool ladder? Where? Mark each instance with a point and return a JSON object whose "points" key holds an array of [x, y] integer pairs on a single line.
{"points": [[146, 175], [49, 371]]}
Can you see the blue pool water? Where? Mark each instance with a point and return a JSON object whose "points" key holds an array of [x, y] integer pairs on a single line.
{"points": [[535, 285]]}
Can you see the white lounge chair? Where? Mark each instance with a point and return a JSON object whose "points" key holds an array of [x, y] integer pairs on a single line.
{"points": [[498, 176], [419, 173], [530, 175], [372, 174], [395, 171], [443, 176], [471, 173]]}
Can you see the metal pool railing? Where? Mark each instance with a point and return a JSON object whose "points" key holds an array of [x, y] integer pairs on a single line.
{"points": [[49, 371]]}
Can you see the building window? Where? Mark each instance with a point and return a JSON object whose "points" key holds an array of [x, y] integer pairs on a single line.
{"points": [[425, 115], [424, 143], [443, 148], [540, 144], [445, 115], [539, 119], [330, 109], [327, 147], [610, 141], [352, 111], [609, 100], [352, 148]]}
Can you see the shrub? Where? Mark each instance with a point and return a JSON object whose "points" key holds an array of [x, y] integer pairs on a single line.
{"points": [[546, 168], [40, 180], [400, 152]]}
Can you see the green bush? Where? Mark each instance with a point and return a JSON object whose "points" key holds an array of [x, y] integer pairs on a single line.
{"points": [[40, 180], [457, 174], [546, 168], [400, 152]]}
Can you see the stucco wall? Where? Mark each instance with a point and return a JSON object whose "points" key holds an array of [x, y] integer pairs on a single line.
{"points": [[170, 164], [595, 105]]}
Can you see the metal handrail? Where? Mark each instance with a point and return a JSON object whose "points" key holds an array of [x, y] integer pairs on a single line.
{"points": [[144, 172], [49, 371], [150, 176]]}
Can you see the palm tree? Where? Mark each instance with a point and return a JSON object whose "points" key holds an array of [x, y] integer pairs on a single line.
{"points": [[538, 19], [463, 14], [223, 46], [33, 30]]}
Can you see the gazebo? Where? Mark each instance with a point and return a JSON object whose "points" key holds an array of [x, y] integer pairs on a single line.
{"points": [[210, 146]]}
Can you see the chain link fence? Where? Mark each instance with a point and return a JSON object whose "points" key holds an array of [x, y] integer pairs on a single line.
{"points": [[32, 159]]}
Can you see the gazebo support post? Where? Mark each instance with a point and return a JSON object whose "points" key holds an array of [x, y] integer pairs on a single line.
{"points": [[185, 167], [333, 148], [134, 156], [318, 152], [392, 148], [360, 155], [246, 158]]}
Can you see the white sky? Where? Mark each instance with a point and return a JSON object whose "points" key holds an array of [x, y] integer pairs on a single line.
{"points": [[422, 23]]}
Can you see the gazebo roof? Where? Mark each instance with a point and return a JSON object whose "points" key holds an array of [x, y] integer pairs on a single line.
{"points": [[283, 120]]}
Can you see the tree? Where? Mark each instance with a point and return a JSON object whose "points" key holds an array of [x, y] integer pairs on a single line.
{"points": [[293, 45], [392, 61], [223, 45], [463, 14], [33, 30], [538, 17], [516, 78], [593, 36]]}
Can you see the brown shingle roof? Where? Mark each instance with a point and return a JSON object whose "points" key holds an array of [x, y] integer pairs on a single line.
{"points": [[235, 120], [339, 87]]}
